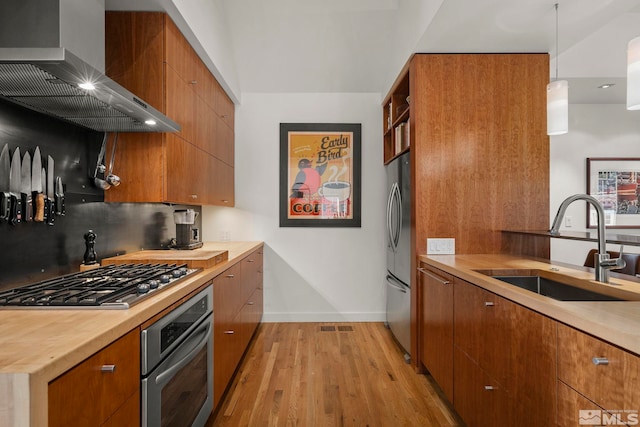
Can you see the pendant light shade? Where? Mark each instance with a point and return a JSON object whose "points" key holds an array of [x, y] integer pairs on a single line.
{"points": [[557, 107], [633, 74]]}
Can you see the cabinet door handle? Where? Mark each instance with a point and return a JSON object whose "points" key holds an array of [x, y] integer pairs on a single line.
{"points": [[230, 276], [433, 276], [250, 260], [489, 388], [108, 368], [489, 304], [230, 332], [600, 361]]}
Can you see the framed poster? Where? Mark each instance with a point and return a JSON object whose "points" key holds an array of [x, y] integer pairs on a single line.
{"points": [[615, 182], [320, 175]]}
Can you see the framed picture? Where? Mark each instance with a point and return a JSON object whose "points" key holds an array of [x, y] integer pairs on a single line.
{"points": [[615, 182], [320, 175]]}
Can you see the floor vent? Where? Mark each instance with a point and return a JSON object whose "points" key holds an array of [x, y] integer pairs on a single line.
{"points": [[345, 328], [327, 328]]}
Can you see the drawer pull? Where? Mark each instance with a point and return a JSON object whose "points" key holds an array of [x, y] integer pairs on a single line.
{"points": [[230, 276], [489, 388], [600, 361], [489, 304], [230, 332], [108, 368], [433, 276], [251, 303], [250, 260]]}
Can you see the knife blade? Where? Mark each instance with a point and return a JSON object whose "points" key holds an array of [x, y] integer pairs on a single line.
{"points": [[36, 187], [25, 188], [5, 197], [60, 209], [50, 201], [15, 184]]}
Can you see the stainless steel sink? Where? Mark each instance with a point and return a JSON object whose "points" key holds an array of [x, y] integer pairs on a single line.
{"points": [[562, 286], [554, 289]]}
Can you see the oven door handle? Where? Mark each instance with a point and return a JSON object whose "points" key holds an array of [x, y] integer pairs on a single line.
{"points": [[203, 330]]}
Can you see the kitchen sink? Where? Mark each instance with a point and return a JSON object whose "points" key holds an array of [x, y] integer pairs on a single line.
{"points": [[561, 287], [553, 289]]}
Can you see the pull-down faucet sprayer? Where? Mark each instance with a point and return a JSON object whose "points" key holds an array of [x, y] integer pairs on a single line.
{"points": [[602, 262]]}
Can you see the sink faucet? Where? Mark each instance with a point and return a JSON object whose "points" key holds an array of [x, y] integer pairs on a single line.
{"points": [[603, 263]]}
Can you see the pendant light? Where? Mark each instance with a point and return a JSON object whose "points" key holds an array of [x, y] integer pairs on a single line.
{"points": [[633, 74], [557, 99]]}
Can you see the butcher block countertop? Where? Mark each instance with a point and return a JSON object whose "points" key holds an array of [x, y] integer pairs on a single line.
{"points": [[617, 322], [38, 345]]}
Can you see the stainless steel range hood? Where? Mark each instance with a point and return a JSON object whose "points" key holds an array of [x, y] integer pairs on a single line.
{"points": [[39, 71]]}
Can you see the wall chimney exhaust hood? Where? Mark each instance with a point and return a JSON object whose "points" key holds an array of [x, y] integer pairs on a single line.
{"points": [[39, 69]]}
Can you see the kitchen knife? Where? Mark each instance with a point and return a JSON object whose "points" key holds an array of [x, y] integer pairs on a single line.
{"points": [[50, 200], [15, 185], [25, 188], [36, 187], [5, 198], [60, 210], [43, 181]]}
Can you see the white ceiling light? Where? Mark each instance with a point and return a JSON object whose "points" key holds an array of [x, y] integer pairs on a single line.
{"points": [[557, 99], [633, 74]]}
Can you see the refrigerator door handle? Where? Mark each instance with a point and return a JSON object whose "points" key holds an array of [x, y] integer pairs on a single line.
{"points": [[394, 283], [399, 217], [391, 225]]}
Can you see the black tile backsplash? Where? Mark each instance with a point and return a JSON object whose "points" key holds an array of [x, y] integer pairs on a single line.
{"points": [[34, 251]]}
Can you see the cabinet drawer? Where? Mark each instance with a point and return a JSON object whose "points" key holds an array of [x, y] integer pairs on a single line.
{"points": [[251, 273], [598, 370], [89, 394], [479, 399], [227, 294]]}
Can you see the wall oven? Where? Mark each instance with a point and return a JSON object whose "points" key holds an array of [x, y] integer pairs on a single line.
{"points": [[177, 365]]}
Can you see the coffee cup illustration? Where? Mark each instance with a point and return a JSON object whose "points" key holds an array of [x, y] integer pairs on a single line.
{"points": [[339, 190]]}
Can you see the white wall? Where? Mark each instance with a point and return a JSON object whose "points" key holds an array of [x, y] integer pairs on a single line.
{"points": [[594, 131], [310, 274]]}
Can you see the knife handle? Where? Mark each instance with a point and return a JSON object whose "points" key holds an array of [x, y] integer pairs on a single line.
{"points": [[16, 209], [5, 206], [49, 214], [27, 207], [39, 210], [60, 204]]}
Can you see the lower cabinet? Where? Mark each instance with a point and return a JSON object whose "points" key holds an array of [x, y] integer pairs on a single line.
{"points": [[502, 355], [103, 390], [436, 345], [237, 311], [595, 375]]}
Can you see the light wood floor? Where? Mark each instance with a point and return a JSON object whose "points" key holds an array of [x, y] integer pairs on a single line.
{"points": [[300, 374]]}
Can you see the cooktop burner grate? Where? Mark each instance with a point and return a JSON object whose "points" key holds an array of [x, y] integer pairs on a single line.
{"points": [[113, 286]]}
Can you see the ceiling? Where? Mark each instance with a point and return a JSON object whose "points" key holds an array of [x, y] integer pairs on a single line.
{"points": [[361, 45]]}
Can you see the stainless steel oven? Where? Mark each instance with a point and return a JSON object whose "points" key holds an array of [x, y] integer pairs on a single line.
{"points": [[177, 365]]}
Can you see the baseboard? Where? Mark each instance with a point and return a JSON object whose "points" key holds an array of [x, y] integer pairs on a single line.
{"points": [[323, 317]]}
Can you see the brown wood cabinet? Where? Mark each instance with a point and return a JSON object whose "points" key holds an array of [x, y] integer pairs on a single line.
{"points": [[102, 390], [479, 152], [512, 350], [597, 372], [237, 311], [147, 54], [436, 290]]}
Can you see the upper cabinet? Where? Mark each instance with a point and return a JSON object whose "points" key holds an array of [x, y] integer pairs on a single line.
{"points": [[396, 122], [147, 54]]}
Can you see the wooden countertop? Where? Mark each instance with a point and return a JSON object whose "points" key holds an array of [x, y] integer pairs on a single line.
{"points": [[617, 322], [38, 345]]}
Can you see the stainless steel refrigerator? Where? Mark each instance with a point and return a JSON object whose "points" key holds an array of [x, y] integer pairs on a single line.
{"points": [[398, 231]]}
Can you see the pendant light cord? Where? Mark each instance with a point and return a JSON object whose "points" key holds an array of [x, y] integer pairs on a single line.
{"points": [[557, 52]]}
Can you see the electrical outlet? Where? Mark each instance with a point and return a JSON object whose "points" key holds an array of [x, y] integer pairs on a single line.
{"points": [[441, 246], [568, 221]]}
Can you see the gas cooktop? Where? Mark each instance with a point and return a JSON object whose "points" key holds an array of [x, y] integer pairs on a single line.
{"points": [[109, 287]]}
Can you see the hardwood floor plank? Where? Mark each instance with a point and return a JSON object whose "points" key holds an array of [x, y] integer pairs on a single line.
{"points": [[349, 374]]}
